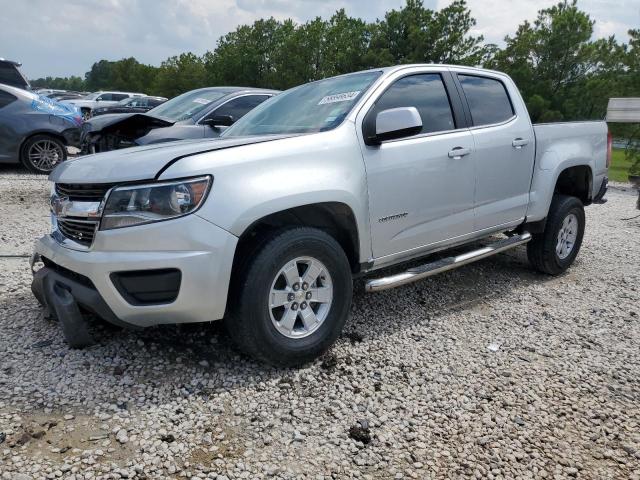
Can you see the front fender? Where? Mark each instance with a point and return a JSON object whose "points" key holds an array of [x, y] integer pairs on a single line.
{"points": [[254, 181]]}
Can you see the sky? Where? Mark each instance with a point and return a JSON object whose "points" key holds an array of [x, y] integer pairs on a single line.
{"points": [[65, 37]]}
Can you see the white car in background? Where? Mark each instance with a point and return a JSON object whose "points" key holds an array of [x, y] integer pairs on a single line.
{"points": [[100, 99]]}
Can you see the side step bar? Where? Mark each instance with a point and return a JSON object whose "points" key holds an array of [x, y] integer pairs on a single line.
{"points": [[449, 263]]}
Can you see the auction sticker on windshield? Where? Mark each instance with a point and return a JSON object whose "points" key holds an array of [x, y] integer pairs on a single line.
{"points": [[203, 101], [339, 97]]}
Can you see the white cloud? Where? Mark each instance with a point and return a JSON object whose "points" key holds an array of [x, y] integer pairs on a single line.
{"points": [[498, 18]]}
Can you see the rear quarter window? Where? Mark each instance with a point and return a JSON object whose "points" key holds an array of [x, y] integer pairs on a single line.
{"points": [[487, 98]]}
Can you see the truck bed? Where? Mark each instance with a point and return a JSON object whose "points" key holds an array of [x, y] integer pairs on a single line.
{"points": [[564, 145]]}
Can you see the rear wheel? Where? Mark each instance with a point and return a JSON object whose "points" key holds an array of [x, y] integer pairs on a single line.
{"points": [[86, 113], [292, 299], [42, 153], [555, 249]]}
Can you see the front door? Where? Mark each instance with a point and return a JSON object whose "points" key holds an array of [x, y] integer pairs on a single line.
{"points": [[421, 188]]}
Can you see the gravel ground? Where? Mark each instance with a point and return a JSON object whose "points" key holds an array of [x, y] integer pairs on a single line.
{"points": [[490, 371]]}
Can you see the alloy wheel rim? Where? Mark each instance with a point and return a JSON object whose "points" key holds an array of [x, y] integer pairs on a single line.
{"points": [[300, 297], [567, 236], [45, 155]]}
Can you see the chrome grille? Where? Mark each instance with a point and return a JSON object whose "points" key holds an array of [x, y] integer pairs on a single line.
{"points": [[80, 231], [86, 192]]}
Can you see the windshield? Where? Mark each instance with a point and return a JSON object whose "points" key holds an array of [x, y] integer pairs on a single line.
{"points": [[186, 105], [92, 96], [313, 107]]}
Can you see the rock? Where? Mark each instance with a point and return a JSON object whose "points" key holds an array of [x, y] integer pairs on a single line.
{"points": [[360, 434], [121, 436]]}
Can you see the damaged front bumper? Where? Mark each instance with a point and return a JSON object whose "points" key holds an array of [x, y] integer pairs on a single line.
{"points": [[62, 293], [179, 274]]}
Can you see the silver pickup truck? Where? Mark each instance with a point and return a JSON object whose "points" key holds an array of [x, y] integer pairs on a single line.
{"points": [[267, 226]]}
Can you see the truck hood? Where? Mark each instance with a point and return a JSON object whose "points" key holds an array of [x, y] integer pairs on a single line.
{"points": [[142, 163]]}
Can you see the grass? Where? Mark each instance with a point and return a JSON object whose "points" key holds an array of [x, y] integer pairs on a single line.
{"points": [[620, 166]]}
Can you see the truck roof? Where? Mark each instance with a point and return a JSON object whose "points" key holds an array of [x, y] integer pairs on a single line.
{"points": [[395, 68]]}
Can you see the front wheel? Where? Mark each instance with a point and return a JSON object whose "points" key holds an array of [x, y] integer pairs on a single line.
{"points": [[555, 249], [292, 299], [42, 153]]}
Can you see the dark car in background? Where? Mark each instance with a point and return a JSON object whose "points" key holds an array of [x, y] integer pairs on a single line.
{"points": [[35, 130], [201, 113], [131, 105]]}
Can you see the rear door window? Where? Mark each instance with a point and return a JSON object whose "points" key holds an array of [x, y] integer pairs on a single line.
{"points": [[118, 96], [427, 93], [487, 98]]}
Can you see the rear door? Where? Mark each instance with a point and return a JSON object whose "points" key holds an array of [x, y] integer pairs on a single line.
{"points": [[421, 188], [504, 149]]}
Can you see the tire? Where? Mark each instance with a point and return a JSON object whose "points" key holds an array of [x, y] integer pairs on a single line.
{"points": [[42, 153], [296, 332], [545, 253], [86, 113]]}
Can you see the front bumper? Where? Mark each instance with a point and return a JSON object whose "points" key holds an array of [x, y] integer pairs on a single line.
{"points": [[201, 251]]}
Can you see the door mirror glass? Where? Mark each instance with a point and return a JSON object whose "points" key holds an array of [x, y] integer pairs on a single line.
{"points": [[397, 123], [219, 121]]}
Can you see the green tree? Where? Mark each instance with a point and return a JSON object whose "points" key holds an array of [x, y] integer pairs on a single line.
{"points": [[251, 55], [415, 34], [63, 83], [560, 71], [179, 74], [127, 74]]}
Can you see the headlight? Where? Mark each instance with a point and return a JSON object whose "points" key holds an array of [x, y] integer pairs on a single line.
{"points": [[153, 202]]}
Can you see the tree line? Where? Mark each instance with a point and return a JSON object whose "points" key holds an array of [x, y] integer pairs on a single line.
{"points": [[561, 70]]}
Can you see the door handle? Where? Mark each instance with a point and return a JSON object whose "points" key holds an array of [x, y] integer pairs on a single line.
{"points": [[458, 152], [518, 143]]}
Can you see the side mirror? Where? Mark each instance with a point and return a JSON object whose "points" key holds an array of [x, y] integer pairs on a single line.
{"points": [[219, 121], [395, 123]]}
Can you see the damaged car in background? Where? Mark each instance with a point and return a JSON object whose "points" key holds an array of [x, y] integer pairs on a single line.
{"points": [[201, 113], [35, 130]]}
